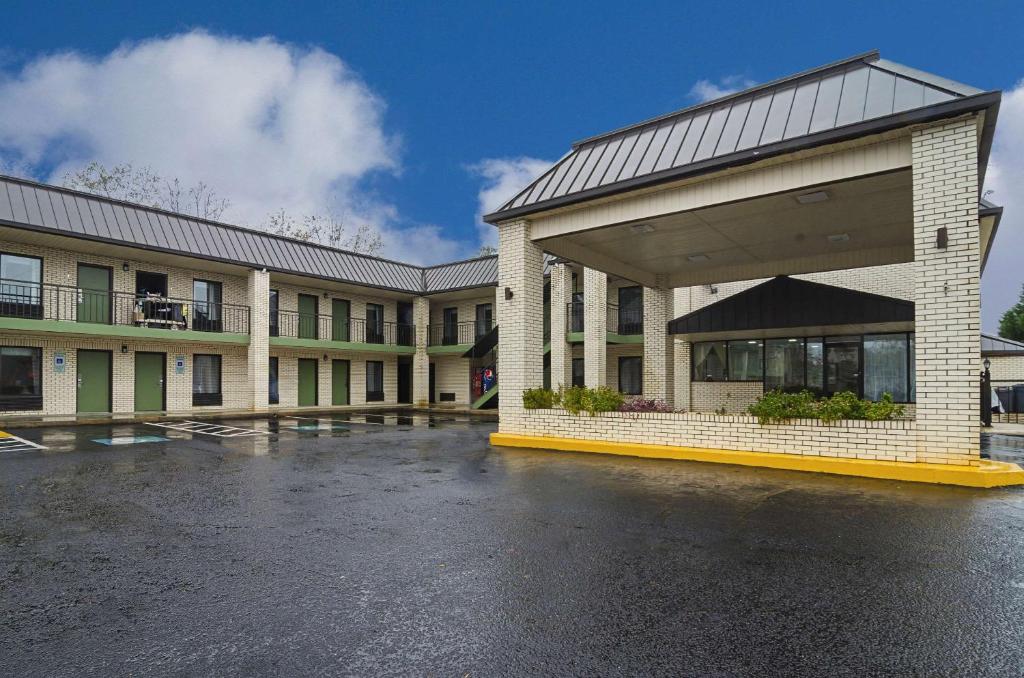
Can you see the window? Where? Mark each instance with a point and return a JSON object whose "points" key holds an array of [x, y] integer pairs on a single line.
{"points": [[450, 325], [374, 381], [374, 323], [21, 384], [887, 367], [274, 308], [206, 380], [784, 364], [274, 394], [21, 289], [406, 326], [815, 350], [206, 296], [484, 319], [576, 311], [709, 361], [578, 377], [631, 310], [745, 360], [631, 375]]}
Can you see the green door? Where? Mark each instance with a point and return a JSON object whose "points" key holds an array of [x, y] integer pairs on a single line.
{"points": [[339, 320], [149, 382], [307, 316], [94, 388], [93, 294], [307, 382], [339, 382]]}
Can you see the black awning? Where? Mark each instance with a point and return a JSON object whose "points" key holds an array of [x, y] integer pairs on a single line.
{"points": [[483, 345], [787, 302]]}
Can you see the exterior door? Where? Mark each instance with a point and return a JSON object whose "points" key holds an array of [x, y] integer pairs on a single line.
{"points": [[340, 313], [404, 381], [432, 382], [94, 287], [340, 382], [484, 320], [374, 324], [307, 316], [842, 366], [94, 381], [307, 382], [150, 393]]}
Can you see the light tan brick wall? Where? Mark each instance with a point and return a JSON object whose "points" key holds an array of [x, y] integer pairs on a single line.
{"points": [[882, 440], [561, 352], [421, 361], [1006, 369], [614, 352], [732, 396], [466, 307], [288, 300], [595, 327], [451, 375], [288, 375], [257, 364], [659, 348]]}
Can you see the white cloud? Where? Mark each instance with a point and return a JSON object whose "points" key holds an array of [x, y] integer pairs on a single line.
{"points": [[502, 179], [1001, 285], [706, 90], [266, 124]]}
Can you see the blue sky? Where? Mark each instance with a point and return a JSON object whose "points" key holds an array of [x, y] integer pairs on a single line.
{"points": [[457, 84]]}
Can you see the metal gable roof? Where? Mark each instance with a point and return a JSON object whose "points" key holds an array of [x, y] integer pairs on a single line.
{"points": [[993, 345], [28, 204], [814, 106]]}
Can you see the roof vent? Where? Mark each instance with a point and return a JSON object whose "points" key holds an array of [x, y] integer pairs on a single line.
{"points": [[810, 198], [642, 228]]}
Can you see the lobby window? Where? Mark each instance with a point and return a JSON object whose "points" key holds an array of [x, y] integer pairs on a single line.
{"points": [[206, 381], [784, 364], [374, 381], [888, 367], [709, 361], [631, 375], [21, 383], [745, 360]]}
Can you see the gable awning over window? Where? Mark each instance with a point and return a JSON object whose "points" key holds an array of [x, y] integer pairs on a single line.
{"points": [[785, 303]]}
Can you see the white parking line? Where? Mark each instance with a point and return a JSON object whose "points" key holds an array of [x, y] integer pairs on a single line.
{"points": [[207, 428], [11, 443]]}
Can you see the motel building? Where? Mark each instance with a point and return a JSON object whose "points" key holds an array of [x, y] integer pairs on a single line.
{"points": [[822, 231]]}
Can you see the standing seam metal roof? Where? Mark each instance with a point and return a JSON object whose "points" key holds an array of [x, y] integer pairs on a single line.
{"points": [[40, 207], [832, 97]]}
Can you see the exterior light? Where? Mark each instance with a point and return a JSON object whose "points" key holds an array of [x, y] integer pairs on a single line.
{"points": [[987, 363], [125, 267], [839, 237], [325, 357], [124, 348], [508, 293], [697, 258], [641, 228], [810, 198]]}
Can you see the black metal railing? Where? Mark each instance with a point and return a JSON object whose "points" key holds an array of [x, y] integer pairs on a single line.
{"points": [[453, 334], [330, 328], [574, 316], [45, 301], [625, 321]]}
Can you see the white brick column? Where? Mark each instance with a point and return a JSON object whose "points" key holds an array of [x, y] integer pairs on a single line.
{"points": [[595, 328], [659, 347], [420, 360], [259, 340], [946, 291], [561, 351], [521, 318], [683, 372]]}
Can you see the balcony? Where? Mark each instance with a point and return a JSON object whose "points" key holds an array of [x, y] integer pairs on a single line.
{"points": [[44, 307], [290, 328], [625, 325], [455, 337]]}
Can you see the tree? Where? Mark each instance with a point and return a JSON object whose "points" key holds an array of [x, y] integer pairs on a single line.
{"points": [[1011, 325], [487, 250], [144, 186], [326, 230]]}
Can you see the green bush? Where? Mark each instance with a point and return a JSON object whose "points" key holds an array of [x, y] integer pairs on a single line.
{"points": [[538, 399], [775, 407], [591, 400]]}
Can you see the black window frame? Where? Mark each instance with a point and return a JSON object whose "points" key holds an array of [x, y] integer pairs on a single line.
{"points": [[484, 326], [640, 379], [23, 402], [208, 399], [32, 306], [450, 325], [212, 318], [631, 323], [582, 374], [375, 396], [374, 329], [274, 305]]}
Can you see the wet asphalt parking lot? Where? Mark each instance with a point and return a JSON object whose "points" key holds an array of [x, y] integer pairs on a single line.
{"points": [[408, 546]]}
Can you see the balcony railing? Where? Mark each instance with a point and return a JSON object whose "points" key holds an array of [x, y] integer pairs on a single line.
{"points": [[330, 328], [453, 334], [45, 301], [621, 321]]}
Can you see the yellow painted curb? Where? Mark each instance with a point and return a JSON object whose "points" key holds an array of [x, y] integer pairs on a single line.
{"points": [[5, 434], [987, 474]]}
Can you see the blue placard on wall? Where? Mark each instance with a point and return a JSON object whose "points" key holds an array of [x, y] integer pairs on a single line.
{"points": [[59, 360], [179, 364]]}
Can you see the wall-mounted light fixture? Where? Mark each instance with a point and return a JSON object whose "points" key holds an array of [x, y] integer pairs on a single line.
{"points": [[124, 348], [942, 238], [508, 293], [325, 295], [325, 357], [125, 267]]}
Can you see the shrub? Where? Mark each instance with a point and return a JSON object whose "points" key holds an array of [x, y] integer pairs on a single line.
{"points": [[644, 405], [775, 407], [538, 398], [591, 400]]}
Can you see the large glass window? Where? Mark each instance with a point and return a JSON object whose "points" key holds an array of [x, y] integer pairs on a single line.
{"points": [[745, 360], [374, 381], [21, 383], [206, 295], [886, 366], [206, 380], [21, 288], [815, 348], [450, 325], [784, 364], [631, 375], [709, 361], [275, 301], [842, 365]]}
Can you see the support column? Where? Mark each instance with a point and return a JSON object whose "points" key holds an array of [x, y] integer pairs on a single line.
{"points": [[420, 360], [521, 317], [682, 350], [595, 328], [259, 340], [561, 351], [946, 291], [659, 347]]}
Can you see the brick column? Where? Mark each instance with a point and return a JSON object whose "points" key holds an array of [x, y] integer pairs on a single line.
{"points": [[946, 291], [259, 339], [659, 347], [420, 360], [682, 349], [520, 355], [595, 328], [561, 351]]}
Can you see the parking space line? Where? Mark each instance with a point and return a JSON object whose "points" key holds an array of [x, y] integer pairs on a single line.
{"points": [[206, 428], [12, 443]]}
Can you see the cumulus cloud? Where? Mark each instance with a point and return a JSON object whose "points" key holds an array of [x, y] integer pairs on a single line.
{"points": [[706, 90], [1001, 285], [502, 179], [268, 125]]}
